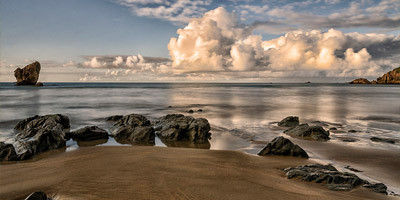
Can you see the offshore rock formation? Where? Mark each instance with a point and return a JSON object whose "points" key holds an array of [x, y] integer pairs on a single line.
{"points": [[88, 133], [28, 75], [284, 147], [134, 129], [306, 132], [392, 77], [289, 121]]}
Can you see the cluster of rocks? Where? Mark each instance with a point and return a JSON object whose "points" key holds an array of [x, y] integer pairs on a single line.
{"points": [[392, 77], [29, 75], [303, 131], [332, 178], [42, 133]]}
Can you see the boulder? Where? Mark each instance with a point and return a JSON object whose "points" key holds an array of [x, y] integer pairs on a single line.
{"points": [[133, 128], [28, 75], [114, 118], [88, 133], [289, 121], [392, 77], [331, 177], [377, 139], [40, 133], [360, 81], [284, 147], [37, 196], [39, 84], [304, 131], [177, 127], [7, 152]]}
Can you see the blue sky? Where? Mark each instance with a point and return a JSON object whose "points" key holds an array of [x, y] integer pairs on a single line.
{"points": [[74, 32]]}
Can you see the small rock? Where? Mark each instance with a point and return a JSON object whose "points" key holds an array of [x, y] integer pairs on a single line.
{"points": [[377, 139], [352, 169], [190, 111], [39, 84], [284, 147], [37, 196], [289, 121], [88, 133], [200, 110], [133, 128], [304, 131], [114, 118], [349, 140], [377, 187], [333, 129], [352, 131]]}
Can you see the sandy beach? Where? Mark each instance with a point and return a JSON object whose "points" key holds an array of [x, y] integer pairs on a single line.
{"points": [[138, 172]]}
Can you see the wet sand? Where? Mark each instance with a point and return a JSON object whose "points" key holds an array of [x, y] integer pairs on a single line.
{"points": [[131, 172]]}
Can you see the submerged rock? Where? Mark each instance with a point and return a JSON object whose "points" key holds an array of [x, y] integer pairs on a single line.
{"points": [[88, 133], [284, 147], [28, 75], [352, 131], [377, 139], [133, 128], [360, 81], [331, 177], [7, 152], [37, 196], [114, 118], [392, 77], [304, 131], [289, 121], [177, 127], [40, 133]]}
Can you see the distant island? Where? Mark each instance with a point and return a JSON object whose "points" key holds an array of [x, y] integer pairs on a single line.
{"points": [[392, 77]]}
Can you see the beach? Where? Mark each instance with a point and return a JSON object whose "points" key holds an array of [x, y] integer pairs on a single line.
{"points": [[137, 172]]}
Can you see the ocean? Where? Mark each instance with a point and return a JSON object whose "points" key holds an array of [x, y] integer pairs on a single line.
{"points": [[243, 116]]}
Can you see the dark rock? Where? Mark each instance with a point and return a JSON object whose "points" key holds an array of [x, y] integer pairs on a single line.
{"points": [[40, 133], [284, 147], [326, 174], [392, 77], [190, 111], [377, 139], [304, 131], [28, 75], [177, 127], [349, 140], [114, 118], [319, 123], [88, 133], [200, 110], [376, 187], [133, 128], [352, 131], [360, 81], [333, 129], [7, 152], [352, 169], [39, 84], [37, 196], [289, 121]]}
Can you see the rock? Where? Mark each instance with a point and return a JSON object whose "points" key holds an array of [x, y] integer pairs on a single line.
{"points": [[326, 174], [352, 169], [304, 131], [360, 81], [133, 128], [177, 127], [28, 75], [377, 187], [284, 147], [190, 111], [377, 139], [7, 152], [392, 77], [319, 123], [289, 121], [114, 118], [40, 133], [88, 133], [39, 84], [37, 196], [200, 110], [352, 131], [333, 129]]}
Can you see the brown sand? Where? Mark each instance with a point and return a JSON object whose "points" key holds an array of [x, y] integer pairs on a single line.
{"points": [[129, 172]]}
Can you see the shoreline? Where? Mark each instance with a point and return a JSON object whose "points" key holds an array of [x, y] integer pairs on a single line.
{"points": [[126, 172]]}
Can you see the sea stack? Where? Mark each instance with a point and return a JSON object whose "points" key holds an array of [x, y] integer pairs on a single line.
{"points": [[392, 77], [29, 75]]}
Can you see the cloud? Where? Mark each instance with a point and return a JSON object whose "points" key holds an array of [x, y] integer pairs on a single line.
{"points": [[94, 63], [118, 60], [217, 42]]}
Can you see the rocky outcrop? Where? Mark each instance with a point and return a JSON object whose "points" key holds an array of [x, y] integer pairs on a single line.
{"points": [[28, 75], [133, 128], [377, 139], [88, 133], [289, 121], [7, 152], [284, 147], [304, 131], [360, 81], [392, 77], [177, 127], [114, 118], [40, 133], [331, 177]]}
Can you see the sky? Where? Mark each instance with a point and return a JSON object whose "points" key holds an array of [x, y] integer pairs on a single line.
{"points": [[204, 40]]}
